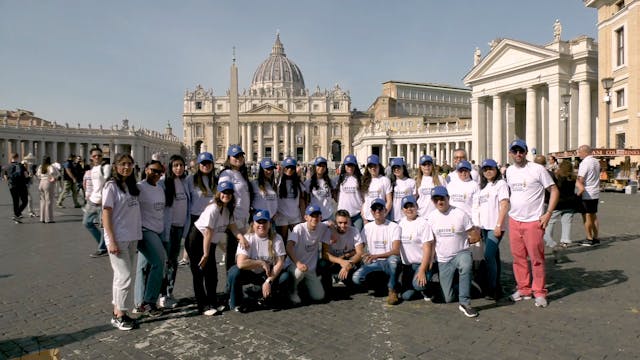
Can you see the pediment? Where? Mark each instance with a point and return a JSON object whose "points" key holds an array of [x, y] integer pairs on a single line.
{"points": [[507, 56], [266, 109]]}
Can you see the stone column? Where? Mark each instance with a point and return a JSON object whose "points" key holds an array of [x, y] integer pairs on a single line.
{"points": [[496, 126], [438, 155], [584, 114], [287, 144], [532, 120], [54, 152], [42, 150], [260, 144], [478, 127], [249, 149], [448, 152], [307, 142], [554, 118], [276, 143]]}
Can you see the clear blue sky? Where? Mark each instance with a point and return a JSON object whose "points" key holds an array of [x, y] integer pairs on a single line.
{"points": [[92, 61]]}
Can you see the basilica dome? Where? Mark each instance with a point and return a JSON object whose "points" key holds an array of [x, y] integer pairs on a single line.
{"points": [[278, 72]]}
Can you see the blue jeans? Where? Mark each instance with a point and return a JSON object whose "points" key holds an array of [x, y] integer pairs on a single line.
{"points": [[92, 213], [389, 266], [236, 278], [409, 276], [356, 222], [172, 249], [565, 216], [464, 264], [150, 268], [492, 259]]}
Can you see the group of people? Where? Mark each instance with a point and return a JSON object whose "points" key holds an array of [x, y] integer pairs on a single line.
{"points": [[288, 238]]}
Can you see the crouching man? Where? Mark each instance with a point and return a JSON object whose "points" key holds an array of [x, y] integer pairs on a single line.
{"points": [[302, 249], [340, 259], [383, 245], [453, 230], [261, 264]]}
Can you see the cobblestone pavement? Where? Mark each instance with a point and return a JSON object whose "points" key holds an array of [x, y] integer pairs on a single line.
{"points": [[53, 296]]}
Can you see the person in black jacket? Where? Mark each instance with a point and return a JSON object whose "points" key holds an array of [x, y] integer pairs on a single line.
{"points": [[17, 179]]}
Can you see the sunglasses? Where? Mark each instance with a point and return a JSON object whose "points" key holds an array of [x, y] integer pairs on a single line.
{"points": [[157, 171], [377, 208], [518, 151], [437, 198], [409, 206]]}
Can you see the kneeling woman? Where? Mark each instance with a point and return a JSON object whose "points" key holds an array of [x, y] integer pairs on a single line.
{"points": [[214, 221], [260, 264]]}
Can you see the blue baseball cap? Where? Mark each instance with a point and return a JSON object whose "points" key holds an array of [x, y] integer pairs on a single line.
{"points": [[311, 209], [234, 150], [225, 185], [378, 201], [439, 191], [350, 160], [409, 199], [289, 161], [319, 160], [464, 164], [373, 159], [397, 162], [267, 163], [261, 215], [205, 156], [518, 143], [425, 159], [489, 163]]}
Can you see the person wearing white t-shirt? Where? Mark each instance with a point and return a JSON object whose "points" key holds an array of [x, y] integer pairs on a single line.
{"points": [[341, 258], [92, 209], [213, 224], [236, 171], [265, 196], [290, 199], [463, 190], [416, 251], [453, 230], [122, 231], [152, 257], [302, 249], [460, 155], [589, 190], [382, 238], [491, 214], [528, 218], [402, 186], [349, 196], [319, 189], [261, 264], [427, 179], [375, 186]]}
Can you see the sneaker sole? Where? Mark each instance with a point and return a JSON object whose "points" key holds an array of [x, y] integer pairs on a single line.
{"points": [[462, 310]]}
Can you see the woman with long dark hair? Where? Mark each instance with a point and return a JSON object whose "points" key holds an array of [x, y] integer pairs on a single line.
{"points": [[375, 186], [427, 179], [290, 201], [47, 175], [122, 230], [236, 171], [212, 226], [265, 196], [348, 186], [319, 189], [176, 223], [492, 205], [402, 186], [566, 207]]}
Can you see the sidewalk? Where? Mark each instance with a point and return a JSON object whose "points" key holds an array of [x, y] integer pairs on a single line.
{"points": [[52, 295]]}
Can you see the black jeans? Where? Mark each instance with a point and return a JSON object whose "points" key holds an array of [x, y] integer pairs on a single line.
{"points": [[19, 196], [205, 280]]}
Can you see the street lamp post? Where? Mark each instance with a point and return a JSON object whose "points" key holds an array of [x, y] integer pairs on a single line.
{"points": [[607, 83], [565, 100]]}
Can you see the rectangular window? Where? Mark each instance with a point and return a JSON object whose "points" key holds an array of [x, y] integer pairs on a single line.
{"points": [[198, 105], [298, 106], [620, 141], [315, 107], [267, 151], [337, 130], [336, 105], [619, 46], [620, 101], [219, 107], [280, 106], [199, 130]]}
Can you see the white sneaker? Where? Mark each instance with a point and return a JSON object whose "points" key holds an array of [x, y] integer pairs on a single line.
{"points": [[167, 302], [516, 296], [541, 302], [210, 311], [295, 298]]}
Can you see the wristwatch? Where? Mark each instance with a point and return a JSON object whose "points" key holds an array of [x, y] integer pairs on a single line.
{"points": [[268, 281]]}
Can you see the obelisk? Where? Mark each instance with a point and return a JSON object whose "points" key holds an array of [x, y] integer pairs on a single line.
{"points": [[234, 126]]}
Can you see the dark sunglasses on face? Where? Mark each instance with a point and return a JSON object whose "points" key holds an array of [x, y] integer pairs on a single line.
{"points": [[437, 198], [409, 206], [157, 171], [518, 151], [487, 169], [377, 208]]}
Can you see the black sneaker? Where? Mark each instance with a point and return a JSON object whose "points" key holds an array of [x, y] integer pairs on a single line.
{"points": [[99, 253], [587, 242], [17, 220], [467, 310], [123, 322]]}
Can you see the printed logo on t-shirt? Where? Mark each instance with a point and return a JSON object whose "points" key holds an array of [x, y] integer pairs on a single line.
{"points": [[270, 196], [310, 247], [132, 201], [445, 231], [375, 193], [484, 198], [401, 194], [518, 187], [181, 196], [425, 192], [220, 228], [291, 194], [321, 193], [458, 197], [380, 244], [158, 206], [348, 189]]}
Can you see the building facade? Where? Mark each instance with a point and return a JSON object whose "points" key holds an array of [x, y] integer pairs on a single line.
{"points": [[410, 119], [24, 133], [546, 95], [618, 60], [276, 117]]}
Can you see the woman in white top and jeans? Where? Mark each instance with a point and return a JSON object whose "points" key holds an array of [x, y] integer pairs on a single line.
{"points": [[402, 186], [290, 199], [122, 231], [427, 179], [375, 186], [348, 186]]}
